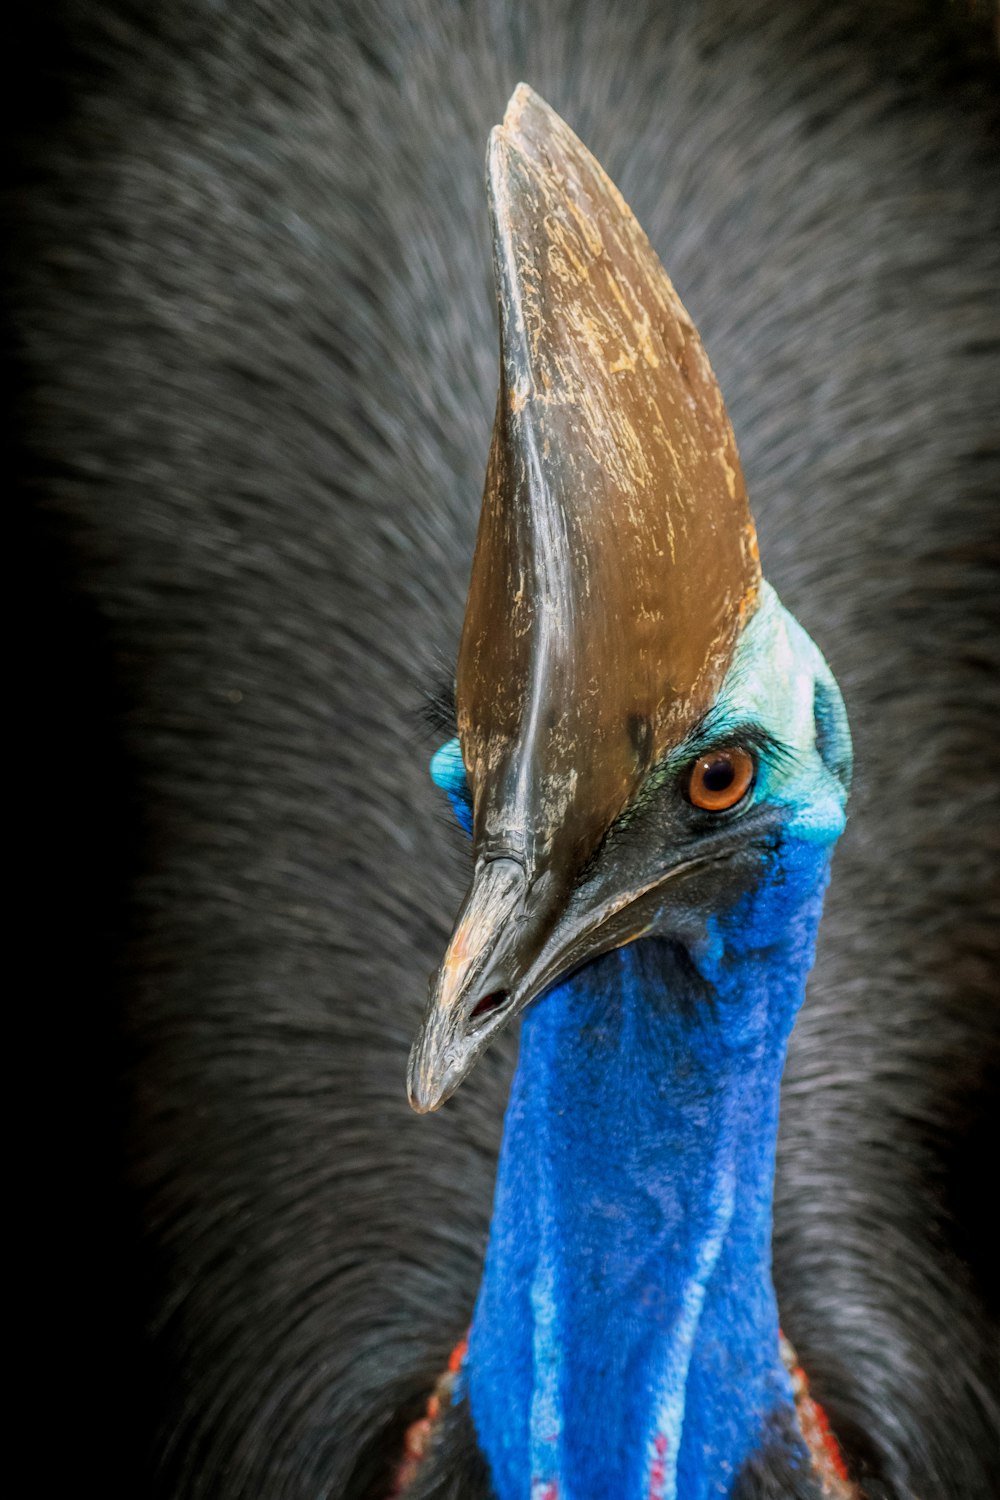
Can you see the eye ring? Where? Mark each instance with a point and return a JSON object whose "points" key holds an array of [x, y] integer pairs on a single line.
{"points": [[721, 779]]}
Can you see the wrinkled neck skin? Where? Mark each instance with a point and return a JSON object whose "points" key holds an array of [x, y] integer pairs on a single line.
{"points": [[625, 1339]]}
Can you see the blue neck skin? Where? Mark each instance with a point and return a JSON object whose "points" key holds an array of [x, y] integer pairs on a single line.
{"points": [[625, 1339]]}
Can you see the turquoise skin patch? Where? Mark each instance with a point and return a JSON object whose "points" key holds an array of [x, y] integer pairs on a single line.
{"points": [[448, 772], [779, 681]]}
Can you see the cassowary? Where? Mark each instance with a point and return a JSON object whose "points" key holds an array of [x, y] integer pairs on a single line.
{"points": [[654, 763], [254, 383]]}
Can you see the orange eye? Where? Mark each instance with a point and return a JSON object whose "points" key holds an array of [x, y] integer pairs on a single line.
{"points": [[720, 780]]}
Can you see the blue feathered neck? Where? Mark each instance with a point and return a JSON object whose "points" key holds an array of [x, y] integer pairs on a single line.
{"points": [[625, 1339]]}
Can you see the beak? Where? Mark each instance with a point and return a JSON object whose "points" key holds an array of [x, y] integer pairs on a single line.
{"points": [[470, 991], [501, 957], [615, 567]]}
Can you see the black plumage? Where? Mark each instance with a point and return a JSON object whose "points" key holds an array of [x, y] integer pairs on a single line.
{"points": [[253, 382]]}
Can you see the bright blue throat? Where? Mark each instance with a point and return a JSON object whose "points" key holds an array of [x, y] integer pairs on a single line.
{"points": [[625, 1340]]}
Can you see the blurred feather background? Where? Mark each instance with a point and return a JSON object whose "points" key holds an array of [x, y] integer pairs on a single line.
{"points": [[253, 370]]}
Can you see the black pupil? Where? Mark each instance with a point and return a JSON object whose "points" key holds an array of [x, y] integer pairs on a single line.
{"points": [[718, 774]]}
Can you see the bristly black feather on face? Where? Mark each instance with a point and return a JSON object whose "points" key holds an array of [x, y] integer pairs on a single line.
{"points": [[437, 711], [255, 370]]}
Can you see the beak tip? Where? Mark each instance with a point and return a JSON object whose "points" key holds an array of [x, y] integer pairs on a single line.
{"points": [[426, 1090], [427, 1101]]}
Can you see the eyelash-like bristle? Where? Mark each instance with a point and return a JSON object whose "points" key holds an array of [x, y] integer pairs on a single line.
{"points": [[707, 737], [437, 712], [753, 737]]}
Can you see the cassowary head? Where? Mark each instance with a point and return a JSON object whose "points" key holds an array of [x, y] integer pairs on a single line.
{"points": [[643, 729]]}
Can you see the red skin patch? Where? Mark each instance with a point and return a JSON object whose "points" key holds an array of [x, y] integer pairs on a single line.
{"points": [[828, 1461], [830, 1442], [658, 1468], [419, 1433]]}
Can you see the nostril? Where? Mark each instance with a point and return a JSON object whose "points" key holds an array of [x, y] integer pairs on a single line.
{"points": [[486, 1004]]}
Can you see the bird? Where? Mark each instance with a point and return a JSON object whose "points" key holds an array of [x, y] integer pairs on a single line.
{"points": [[655, 760], [255, 383]]}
